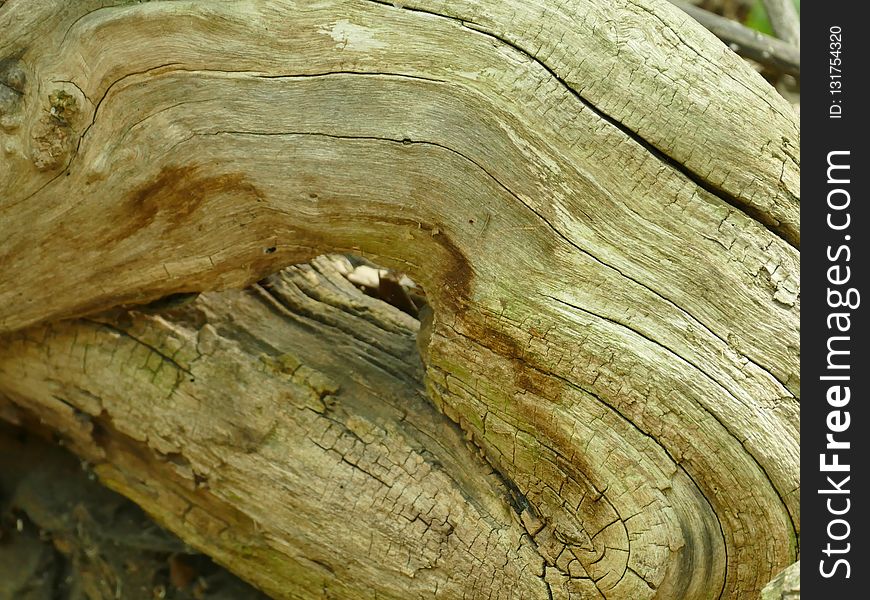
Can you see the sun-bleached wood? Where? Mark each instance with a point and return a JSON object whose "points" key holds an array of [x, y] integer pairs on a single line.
{"points": [[600, 199], [785, 586]]}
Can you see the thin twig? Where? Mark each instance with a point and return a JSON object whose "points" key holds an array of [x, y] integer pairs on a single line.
{"points": [[748, 43], [784, 20]]}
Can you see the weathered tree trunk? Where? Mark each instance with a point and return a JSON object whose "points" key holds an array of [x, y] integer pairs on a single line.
{"points": [[600, 200]]}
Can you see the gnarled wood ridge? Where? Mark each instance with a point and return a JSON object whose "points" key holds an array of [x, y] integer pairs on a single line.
{"points": [[599, 198]]}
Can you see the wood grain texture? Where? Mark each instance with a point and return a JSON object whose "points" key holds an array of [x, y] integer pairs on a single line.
{"points": [[285, 429], [599, 198]]}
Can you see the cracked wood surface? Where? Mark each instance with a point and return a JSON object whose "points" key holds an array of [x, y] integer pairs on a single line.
{"points": [[284, 429], [634, 381]]}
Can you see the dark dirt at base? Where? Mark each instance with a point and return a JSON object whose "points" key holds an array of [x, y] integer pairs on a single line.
{"points": [[63, 536]]}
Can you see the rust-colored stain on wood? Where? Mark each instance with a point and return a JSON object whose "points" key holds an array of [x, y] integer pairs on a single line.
{"points": [[178, 192]]}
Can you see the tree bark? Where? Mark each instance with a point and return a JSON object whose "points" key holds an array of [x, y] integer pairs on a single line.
{"points": [[600, 201]]}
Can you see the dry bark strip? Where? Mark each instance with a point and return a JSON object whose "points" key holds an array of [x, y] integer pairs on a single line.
{"points": [[635, 379]]}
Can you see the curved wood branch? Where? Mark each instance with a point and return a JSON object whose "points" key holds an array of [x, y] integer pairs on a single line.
{"points": [[785, 21], [754, 45], [637, 380]]}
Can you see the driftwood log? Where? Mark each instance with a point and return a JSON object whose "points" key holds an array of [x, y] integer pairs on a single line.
{"points": [[599, 198]]}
